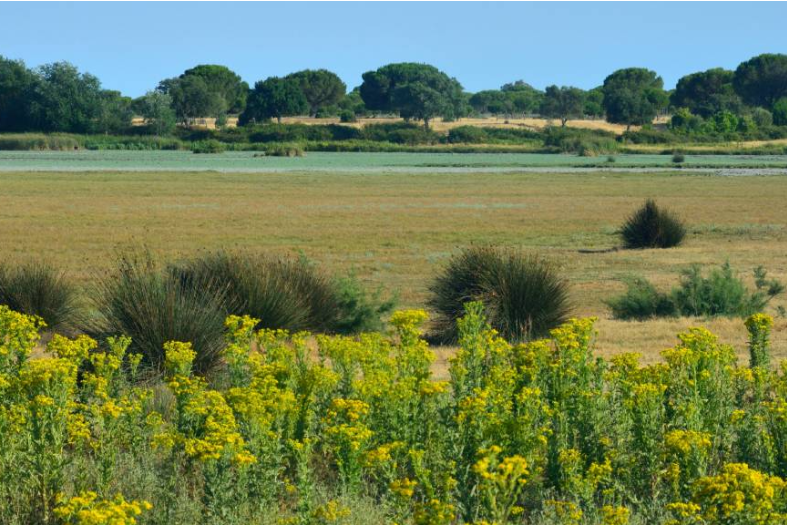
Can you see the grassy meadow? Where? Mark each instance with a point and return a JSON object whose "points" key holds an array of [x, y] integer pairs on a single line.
{"points": [[396, 228]]}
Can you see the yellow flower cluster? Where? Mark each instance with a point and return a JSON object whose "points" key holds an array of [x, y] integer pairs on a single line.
{"points": [[87, 509]]}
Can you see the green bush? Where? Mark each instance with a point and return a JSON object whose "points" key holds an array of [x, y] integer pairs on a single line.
{"points": [[678, 158], [780, 112], [208, 146], [641, 301], [285, 150], [652, 227], [150, 304], [37, 288], [721, 293], [347, 116], [358, 310], [524, 296], [580, 141]]}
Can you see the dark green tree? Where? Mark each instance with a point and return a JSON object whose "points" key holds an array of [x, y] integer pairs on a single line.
{"points": [[274, 97], [780, 112], [762, 80], [594, 103], [223, 83], [321, 88], [353, 102], [523, 97], [563, 103], [192, 98], [707, 93], [415, 91], [633, 96], [115, 113], [65, 99], [17, 84], [492, 101], [156, 108]]}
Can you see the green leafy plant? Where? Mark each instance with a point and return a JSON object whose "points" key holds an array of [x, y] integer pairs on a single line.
{"points": [[652, 227]]}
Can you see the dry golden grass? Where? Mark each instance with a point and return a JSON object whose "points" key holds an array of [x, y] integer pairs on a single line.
{"points": [[491, 122], [396, 229]]}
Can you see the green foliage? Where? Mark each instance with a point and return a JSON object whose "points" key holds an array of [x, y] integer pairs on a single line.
{"points": [[208, 146], [150, 305], [780, 112], [580, 141], [652, 227], [641, 301], [721, 293], [284, 150], [38, 141], [358, 310], [524, 296], [633, 96], [594, 103], [66, 100], [321, 87], [563, 103], [156, 108], [274, 98], [192, 97], [707, 93], [347, 116], [418, 91], [16, 84], [678, 158], [225, 85], [37, 288], [762, 80]]}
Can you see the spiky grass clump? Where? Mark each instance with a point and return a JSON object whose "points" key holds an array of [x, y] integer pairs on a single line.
{"points": [[524, 296], [652, 227], [37, 288], [286, 292], [150, 305]]}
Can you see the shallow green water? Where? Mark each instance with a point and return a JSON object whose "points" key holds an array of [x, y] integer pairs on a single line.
{"points": [[246, 162]]}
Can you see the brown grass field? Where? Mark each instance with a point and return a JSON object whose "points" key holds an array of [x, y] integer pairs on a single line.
{"points": [[397, 229]]}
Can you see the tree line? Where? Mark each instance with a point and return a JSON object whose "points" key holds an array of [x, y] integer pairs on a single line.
{"points": [[58, 97]]}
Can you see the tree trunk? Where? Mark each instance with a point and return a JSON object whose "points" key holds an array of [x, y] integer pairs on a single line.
{"points": [[278, 119], [563, 122], [426, 124]]}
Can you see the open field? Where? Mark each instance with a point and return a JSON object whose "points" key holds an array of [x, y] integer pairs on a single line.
{"points": [[395, 229]]}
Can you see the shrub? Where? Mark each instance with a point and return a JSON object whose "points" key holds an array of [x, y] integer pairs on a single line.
{"points": [[347, 116], [38, 141], [651, 227], [285, 150], [208, 146], [468, 135], [722, 293], [524, 296], [37, 288], [148, 304], [583, 142], [678, 158], [641, 301], [358, 310]]}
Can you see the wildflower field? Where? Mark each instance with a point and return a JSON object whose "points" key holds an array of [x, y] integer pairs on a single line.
{"points": [[321, 429]]}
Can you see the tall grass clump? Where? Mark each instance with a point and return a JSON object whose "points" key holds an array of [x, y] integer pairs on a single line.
{"points": [[39, 142], [652, 227], [37, 288], [141, 300], [285, 292], [524, 296]]}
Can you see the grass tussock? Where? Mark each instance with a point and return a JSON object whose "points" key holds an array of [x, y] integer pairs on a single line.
{"points": [[524, 295], [40, 289], [652, 227]]}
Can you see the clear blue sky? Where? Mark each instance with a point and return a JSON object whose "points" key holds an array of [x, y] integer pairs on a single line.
{"points": [[131, 46]]}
